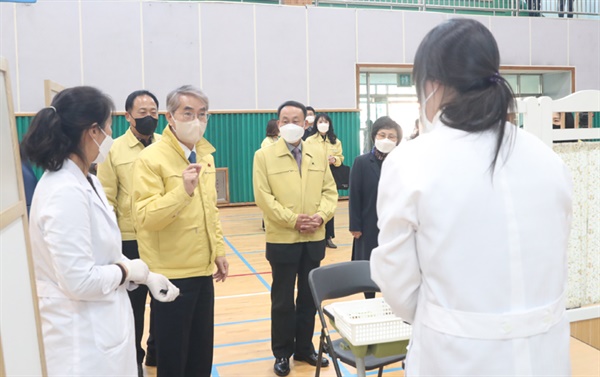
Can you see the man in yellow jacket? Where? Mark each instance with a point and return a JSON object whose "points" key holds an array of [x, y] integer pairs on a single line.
{"points": [[294, 188], [114, 173], [177, 221]]}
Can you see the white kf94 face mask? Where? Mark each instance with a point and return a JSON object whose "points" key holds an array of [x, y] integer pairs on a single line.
{"points": [[190, 132], [103, 148], [291, 132], [385, 145], [323, 127]]}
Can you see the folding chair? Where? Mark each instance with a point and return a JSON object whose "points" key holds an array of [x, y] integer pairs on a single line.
{"points": [[336, 281]]}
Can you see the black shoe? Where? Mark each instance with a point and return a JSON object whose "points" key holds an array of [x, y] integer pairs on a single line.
{"points": [[312, 360], [330, 244], [150, 360], [282, 366]]}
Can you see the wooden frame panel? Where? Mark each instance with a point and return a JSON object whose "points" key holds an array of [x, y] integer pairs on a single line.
{"points": [[51, 89], [20, 325]]}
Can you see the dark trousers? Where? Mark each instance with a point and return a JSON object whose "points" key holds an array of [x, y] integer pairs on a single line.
{"points": [[329, 229], [185, 329], [151, 343], [138, 301], [292, 326], [534, 5], [563, 7]]}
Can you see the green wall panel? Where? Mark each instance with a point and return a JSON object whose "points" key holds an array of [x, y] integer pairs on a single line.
{"points": [[236, 137]]}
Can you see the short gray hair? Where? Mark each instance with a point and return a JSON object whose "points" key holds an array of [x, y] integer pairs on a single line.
{"points": [[189, 90]]}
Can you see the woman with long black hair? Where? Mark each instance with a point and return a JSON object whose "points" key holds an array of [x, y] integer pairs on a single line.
{"points": [[474, 218], [325, 136]]}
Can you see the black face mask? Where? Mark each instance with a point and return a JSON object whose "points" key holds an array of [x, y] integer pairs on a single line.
{"points": [[146, 125]]}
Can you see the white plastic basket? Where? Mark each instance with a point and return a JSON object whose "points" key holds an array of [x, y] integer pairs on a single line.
{"points": [[364, 322]]}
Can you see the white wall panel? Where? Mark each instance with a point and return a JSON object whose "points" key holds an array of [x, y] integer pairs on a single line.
{"points": [[549, 42], [416, 26], [584, 53], [380, 37], [512, 36], [281, 55], [228, 74], [48, 48], [8, 44], [171, 47], [112, 58], [332, 57], [250, 56]]}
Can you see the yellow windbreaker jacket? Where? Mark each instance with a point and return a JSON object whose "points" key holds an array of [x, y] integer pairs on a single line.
{"points": [[282, 193], [179, 235], [329, 149], [115, 175]]}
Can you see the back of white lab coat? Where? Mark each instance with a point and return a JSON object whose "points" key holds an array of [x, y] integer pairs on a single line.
{"points": [[476, 263], [87, 320]]}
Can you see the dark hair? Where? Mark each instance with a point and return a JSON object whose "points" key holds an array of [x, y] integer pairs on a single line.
{"points": [[55, 132], [311, 109], [462, 55], [272, 128], [293, 104], [386, 123], [330, 133], [136, 94]]}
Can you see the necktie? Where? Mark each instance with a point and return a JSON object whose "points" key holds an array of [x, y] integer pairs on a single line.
{"points": [[192, 157], [298, 156]]}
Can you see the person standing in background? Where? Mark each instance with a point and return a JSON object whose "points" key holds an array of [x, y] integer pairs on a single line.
{"points": [[81, 275], [309, 128], [364, 180], [562, 8], [174, 210], [29, 180], [326, 139], [115, 174], [294, 188], [272, 133], [474, 218]]}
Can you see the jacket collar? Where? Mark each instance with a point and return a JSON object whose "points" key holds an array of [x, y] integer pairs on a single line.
{"points": [[97, 196], [281, 148], [132, 141], [71, 167]]}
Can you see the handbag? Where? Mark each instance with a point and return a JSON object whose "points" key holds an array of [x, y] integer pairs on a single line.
{"points": [[341, 176]]}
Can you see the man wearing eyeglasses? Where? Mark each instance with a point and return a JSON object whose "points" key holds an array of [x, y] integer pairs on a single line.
{"points": [[114, 173], [174, 204]]}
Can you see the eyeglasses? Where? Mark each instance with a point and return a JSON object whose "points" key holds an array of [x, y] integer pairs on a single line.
{"points": [[382, 135], [188, 116]]}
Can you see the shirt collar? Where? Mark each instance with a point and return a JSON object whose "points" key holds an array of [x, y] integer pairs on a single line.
{"points": [[186, 150], [291, 147]]}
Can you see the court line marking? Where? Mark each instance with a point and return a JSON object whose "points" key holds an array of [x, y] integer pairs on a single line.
{"points": [[241, 322], [250, 274], [267, 285], [243, 295]]}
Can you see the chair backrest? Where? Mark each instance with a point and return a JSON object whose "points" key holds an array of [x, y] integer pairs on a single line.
{"points": [[340, 280]]}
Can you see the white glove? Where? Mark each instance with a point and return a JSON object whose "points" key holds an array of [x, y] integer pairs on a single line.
{"points": [[161, 288], [137, 270]]}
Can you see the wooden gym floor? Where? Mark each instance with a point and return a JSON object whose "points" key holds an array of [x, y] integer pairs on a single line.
{"points": [[242, 305]]}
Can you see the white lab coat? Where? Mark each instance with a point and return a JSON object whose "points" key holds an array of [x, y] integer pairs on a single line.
{"points": [[477, 265], [87, 320]]}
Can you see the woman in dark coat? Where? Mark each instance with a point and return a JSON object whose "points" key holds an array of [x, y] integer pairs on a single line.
{"points": [[364, 179]]}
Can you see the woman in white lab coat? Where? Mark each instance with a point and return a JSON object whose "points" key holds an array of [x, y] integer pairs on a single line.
{"points": [[474, 217], [81, 275]]}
